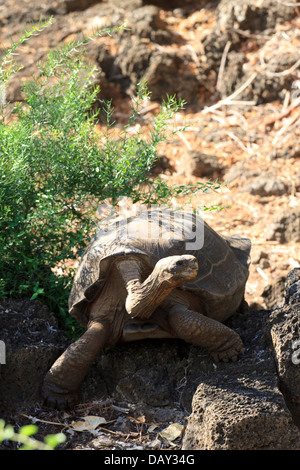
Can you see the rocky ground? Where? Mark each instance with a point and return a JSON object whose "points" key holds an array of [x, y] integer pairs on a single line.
{"points": [[237, 66]]}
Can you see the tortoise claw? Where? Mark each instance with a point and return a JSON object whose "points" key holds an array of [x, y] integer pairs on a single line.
{"points": [[229, 351], [57, 398]]}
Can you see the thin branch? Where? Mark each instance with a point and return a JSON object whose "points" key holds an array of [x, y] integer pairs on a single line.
{"points": [[229, 99], [272, 119], [263, 275], [222, 64], [288, 123], [284, 72], [184, 140], [288, 4], [238, 141]]}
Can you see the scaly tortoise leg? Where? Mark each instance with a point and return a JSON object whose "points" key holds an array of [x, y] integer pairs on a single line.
{"points": [[61, 384], [223, 343]]}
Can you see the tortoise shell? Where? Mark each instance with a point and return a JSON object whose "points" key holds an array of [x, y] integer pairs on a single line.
{"points": [[152, 235]]}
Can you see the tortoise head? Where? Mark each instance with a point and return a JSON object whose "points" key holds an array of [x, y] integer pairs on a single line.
{"points": [[177, 270]]}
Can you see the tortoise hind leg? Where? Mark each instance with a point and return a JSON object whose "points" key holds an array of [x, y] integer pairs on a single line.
{"points": [[61, 384], [222, 342]]}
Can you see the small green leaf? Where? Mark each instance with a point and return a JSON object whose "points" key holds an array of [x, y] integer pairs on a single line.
{"points": [[8, 432], [37, 293], [28, 430], [53, 440]]}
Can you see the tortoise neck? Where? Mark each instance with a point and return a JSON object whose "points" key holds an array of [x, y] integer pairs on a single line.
{"points": [[143, 297]]}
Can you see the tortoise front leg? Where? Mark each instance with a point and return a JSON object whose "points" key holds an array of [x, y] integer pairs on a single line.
{"points": [[223, 343], [61, 384]]}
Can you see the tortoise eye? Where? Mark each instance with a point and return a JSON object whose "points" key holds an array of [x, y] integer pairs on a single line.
{"points": [[179, 263]]}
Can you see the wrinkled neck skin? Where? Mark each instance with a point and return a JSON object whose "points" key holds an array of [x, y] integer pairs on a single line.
{"points": [[143, 297]]}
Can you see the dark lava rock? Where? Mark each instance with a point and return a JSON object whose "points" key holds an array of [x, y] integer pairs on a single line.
{"points": [[285, 226]]}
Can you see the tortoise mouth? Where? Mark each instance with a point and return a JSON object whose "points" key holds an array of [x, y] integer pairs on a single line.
{"points": [[184, 272], [190, 272]]}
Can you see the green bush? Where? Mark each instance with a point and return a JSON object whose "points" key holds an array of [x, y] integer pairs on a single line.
{"points": [[55, 168], [23, 436]]}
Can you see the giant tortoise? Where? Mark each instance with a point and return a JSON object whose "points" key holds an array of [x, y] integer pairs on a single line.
{"points": [[146, 277]]}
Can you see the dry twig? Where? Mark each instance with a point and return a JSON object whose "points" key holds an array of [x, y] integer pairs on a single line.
{"points": [[288, 123], [276, 117], [229, 100], [222, 64], [284, 72]]}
